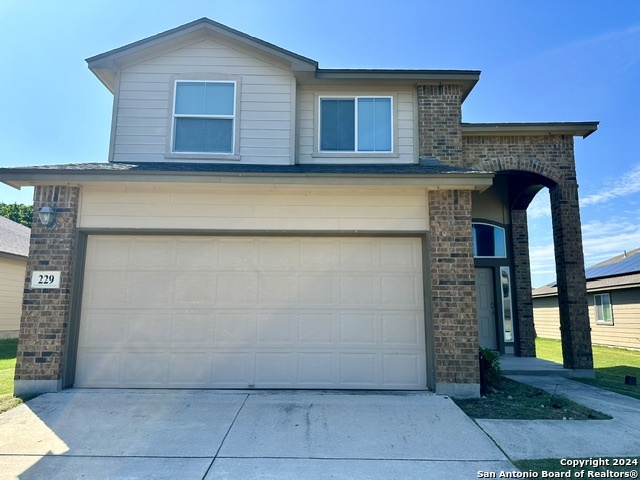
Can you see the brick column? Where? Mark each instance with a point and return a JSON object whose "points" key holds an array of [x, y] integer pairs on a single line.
{"points": [[455, 324], [45, 312], [439, 122], [526, 346], [572, 293]]}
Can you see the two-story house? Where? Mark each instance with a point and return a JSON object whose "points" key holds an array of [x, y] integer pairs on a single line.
{"points": [[265, 223]]}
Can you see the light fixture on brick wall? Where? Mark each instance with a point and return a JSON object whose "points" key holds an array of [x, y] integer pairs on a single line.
{"points": [[48, 217]]}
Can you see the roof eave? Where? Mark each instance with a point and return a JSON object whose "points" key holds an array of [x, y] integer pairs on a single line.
{"points": [[579, 129], [466, 78], [31, 177]]}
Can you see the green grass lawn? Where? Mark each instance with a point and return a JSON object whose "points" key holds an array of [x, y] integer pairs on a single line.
{"points": [[611, 365], [8, 349]]}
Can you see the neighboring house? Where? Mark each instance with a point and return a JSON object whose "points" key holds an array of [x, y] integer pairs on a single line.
{"points": [[613, 288], [263, 222], [14, 250]]}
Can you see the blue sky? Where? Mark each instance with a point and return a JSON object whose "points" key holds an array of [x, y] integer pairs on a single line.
{"points": [[548, 60]]}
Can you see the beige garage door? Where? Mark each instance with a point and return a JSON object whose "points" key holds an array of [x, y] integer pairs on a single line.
{"points": [[242, 312]]}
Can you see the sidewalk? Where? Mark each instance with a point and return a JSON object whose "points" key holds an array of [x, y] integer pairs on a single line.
{"points": [[535, 439]]}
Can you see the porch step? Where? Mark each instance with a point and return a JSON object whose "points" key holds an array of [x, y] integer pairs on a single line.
{"points": [[512, 365]]}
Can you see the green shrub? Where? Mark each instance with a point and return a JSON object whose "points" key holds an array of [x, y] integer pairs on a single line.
{"points": [[491, 362]]}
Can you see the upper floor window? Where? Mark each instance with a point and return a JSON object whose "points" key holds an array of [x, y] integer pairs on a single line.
{"points": [[356, 124], [204, 117], [488, 241], [602, 303]]}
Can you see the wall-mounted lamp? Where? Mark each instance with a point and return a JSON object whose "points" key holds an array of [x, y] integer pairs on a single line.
{"points": [[48, 217]]}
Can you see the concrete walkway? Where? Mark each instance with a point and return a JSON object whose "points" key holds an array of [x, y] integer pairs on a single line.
{"points": [[102, 434], [527, 439]]}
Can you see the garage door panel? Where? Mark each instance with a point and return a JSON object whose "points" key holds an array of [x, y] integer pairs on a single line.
{"points": [[148, 329], [275, 329], [197, 253], [358, 329], [101, 287], [145, 369], [190, 369], [274, 369], [103, 327], [236, 312], [401, 329], [400, 291], [315, 328], [401, 255], [99, 368], [232, 369], [277, 289], [316, 290], [358, 255], [357, 290], [234, 329], [238, 254], [144, 289], [194, 289], [192, 329], [316, 369], [358, 369], [239, 290], [401, 369], [152, 253]]}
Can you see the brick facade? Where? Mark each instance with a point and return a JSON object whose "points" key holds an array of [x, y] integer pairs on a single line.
{"points": [[523, 302], [439, 117], [45, 313], [572, 285], [455, 327], [551, 159]]}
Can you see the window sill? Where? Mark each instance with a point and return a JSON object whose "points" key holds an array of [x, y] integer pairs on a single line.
{"points": [[604, 324], [355, 155], [222, 157]]}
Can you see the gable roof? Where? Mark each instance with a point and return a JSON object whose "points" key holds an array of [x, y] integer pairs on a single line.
{"points": [[14, 238], [621, 271], [106, 65]]}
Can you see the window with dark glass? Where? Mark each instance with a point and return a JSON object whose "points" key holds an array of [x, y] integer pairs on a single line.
{"points": [[204, 117], [488, 241], [355, 124]]}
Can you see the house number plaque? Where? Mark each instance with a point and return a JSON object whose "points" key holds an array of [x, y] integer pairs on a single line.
{"points": [[45, 279]]}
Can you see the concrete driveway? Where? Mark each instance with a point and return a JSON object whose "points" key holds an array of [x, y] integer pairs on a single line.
{"points": [[127, 434]]}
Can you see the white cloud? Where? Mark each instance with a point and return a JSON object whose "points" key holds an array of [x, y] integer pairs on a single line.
{"points": [[540, 206], [603, 240], [624, 185]]}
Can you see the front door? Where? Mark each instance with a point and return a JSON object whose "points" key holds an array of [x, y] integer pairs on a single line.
{"points": [[486, 308]]}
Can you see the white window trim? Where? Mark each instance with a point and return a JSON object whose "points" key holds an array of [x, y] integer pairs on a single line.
{"points": [[204, 78], [356, 152], [602, 321]]}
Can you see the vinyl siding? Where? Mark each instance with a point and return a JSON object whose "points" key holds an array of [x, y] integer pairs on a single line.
{"points": [[625, 331], [142, 110], [12, 275], [256, 208], [404, 123]]}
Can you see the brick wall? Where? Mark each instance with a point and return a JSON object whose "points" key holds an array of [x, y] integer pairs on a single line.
{"points": [[439, 117], [455, 327], [43, 332], [522, 279], [551, 157]]}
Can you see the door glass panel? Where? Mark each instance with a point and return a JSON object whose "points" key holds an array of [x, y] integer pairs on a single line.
{"points": [[507, 314]]}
